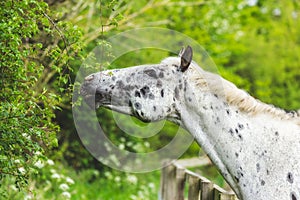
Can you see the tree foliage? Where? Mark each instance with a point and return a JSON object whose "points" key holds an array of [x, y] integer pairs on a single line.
{"points": [[254, 43], [34, 66]]}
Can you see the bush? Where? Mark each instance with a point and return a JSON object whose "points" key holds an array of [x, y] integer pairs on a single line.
{"points": [[35, 54]]}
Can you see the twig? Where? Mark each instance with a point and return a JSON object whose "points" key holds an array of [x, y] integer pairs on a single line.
{"points": [[150, 5], [59, 32], [102, 31]]}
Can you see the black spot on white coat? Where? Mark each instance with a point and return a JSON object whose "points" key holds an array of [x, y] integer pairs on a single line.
{"points": [[162, 93], [154, 108], [293, 196], [137, 94], [151, 73], [151, 96], [120, 84], [161, 75], [159, 84], [231, 131], [290, 177], [144, 91], [176, 93], [241, 126], [257, 167]]}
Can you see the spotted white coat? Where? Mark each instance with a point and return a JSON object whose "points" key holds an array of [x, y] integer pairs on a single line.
{"points": [[255, 146]]}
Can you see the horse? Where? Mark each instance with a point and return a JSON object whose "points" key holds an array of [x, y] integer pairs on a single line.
{"points": [[254, 145]]}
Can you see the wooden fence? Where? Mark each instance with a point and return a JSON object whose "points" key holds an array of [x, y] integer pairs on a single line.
{"points": [[173, 183]]}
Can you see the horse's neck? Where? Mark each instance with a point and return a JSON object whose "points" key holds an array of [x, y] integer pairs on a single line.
{"points": [[240, 145]]}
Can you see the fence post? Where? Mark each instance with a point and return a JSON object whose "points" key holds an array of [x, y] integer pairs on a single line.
{"points": [[221, 194], [180, 182], [173, 180], [224, 196], [194, 187], [168, 183], [207, 190]]}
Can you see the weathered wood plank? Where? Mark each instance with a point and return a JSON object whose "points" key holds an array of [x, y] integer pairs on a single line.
{"points": [[193, 162], [169, 182], [174, 178], [224, 196], [217, 193], [194, 187], [207, 190], [221, 194], [180, 183]]}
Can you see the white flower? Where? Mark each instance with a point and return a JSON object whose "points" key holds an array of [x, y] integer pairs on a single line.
{"points": [[294, 14], [39, 164], [70, 181], [122, 139], [129, 144], [96, 172], [55, 176], [22, 170], [53, 171], [241, 5], [63, 187], [277, 12], [37, 153], [151, 185], [121, 146], [147, 144], [27, 197], [114, 159], [264, 10], [107, 146], [50, 162], [108, 175], [117, 179], [17, 161], [13, 187], [141, 194], [25, 135], [132, 179], [239, 34], [67, 195], [133, 197], [252, 2]]}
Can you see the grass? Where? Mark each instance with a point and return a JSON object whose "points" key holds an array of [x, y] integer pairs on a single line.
{"points": [[118, 185], [61, 182]]}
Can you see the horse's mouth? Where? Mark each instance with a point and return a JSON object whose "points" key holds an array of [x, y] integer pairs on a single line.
{"points": [[99, 100], [121, 109], [96, 100]]}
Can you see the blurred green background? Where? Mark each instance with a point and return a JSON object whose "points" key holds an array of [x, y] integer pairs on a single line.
{"points": [[254, 43]]}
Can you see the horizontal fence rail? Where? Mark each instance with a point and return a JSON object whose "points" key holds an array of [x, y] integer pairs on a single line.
{"points": [[174, 178]]}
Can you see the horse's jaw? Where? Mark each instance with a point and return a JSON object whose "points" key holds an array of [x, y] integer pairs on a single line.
{"points": [[120, 109]]}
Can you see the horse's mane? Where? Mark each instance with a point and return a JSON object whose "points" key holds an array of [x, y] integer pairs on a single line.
{"points": [[237, 97]]}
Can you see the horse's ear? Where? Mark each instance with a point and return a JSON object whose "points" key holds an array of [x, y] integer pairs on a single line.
{"points": [[181, 52], [186, 56]]}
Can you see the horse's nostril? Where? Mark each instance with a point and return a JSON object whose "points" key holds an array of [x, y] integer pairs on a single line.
{"points": [[84, 89], [89, 78]]}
